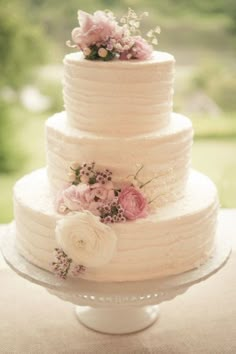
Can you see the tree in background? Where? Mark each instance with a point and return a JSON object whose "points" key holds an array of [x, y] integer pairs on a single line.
{"points": [[22, 47]]}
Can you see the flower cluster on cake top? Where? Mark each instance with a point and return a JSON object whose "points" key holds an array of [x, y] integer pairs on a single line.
{"points": [[101, 36], [88, 205]]}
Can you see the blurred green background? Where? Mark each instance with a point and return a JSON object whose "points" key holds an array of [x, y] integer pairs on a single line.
{"points": [[200, 34]]}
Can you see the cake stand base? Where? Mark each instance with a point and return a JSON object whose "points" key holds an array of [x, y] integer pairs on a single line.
{"points": [[116, 307], [117, 320]]}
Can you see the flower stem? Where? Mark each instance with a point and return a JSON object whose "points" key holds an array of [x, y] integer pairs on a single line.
{"points": [[150, 180], [140, 169]]}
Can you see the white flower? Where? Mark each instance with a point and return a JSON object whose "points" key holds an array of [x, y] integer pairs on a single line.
{"points": [[85, 239], [62, 209], [118, 46]]}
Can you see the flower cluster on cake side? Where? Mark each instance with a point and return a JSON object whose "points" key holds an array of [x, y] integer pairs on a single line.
{"points": [[101, 36], [92, 189], [89, 204]]}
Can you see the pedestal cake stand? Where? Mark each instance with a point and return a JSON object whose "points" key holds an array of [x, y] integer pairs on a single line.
{"points": [[115, 308]]}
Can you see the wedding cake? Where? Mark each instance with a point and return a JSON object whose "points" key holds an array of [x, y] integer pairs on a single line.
{"points": [[118, 200]]}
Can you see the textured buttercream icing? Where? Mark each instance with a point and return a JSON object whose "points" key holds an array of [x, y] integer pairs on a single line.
{"points": [[118, 98], [171, 240], [118, 116], [164, 154]]}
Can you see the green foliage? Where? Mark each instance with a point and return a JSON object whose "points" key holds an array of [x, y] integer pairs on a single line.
{"points": [[223, 127], [59, 17], [201, 8], [21, 47], [21, 44], [219, 82], [216, 158], [52, 89], [11, 156], [224, 93]]}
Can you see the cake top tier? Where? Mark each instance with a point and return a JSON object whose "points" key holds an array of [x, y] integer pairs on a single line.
{"points": [[115, 84], [118, 98]]}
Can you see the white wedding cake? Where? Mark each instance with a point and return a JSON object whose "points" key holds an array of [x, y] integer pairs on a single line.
{"points": [[118, 200]]}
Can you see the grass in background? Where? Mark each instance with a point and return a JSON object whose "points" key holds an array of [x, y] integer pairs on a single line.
{"points": [[30, 138], [216, 158], [223, 127]]}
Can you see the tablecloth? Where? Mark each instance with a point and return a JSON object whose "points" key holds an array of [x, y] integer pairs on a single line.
{"points": [[203, 320]]}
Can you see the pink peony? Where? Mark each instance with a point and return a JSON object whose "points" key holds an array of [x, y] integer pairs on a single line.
{"points": [[84, 197], [96, 28], [71, 197], [133, 202], [140, 50]]}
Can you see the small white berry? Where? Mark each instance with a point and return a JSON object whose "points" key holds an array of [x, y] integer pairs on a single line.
{"points": [[150, 33], [154, 41], [75, 165], [87, 51], [62, 208], [71, 177], [102, 52]]}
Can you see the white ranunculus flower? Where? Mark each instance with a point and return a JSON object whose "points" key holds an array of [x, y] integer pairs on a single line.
{"points": [[85, 239]]}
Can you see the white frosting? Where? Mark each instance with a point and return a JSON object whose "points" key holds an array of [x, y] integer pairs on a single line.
{"points": [[174, 239], [165, 153], [119, 116], [118, 98]]}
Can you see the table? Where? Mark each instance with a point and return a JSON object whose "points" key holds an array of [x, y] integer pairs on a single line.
{"points": [[203, 320]]}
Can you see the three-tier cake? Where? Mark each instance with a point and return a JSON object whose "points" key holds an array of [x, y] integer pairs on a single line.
{"points": [[118, 200]]}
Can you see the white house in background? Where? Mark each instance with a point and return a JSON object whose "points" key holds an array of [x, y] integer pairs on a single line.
{"points": [[33, 100], [199, 102]]}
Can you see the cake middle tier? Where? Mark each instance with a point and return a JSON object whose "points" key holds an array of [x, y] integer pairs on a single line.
{"points": [[162, 157]]}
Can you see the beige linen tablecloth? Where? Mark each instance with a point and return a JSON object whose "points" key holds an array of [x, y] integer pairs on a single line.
{"points": [[203, 320]]}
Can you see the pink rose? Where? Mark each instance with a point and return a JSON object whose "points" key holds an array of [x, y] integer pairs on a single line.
{"points": [[96, 195], [107, 26], [140, 50], [96, 28], [71, 197], [133, 202]]}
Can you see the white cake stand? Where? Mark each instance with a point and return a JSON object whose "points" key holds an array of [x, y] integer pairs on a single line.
{"points": [[115, 308]]}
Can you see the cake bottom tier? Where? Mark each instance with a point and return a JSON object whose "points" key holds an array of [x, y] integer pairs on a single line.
{"points": [[174, 239]]}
